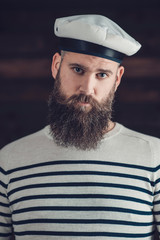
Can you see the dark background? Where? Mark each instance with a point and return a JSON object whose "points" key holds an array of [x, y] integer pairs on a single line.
{"points": [[27, 44]]}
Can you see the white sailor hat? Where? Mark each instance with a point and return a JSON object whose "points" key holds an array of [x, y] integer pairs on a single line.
{"points": [[94, 35]]}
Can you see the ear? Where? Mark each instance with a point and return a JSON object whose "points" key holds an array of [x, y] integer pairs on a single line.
{"points": [[120, 72], [55, 64]]}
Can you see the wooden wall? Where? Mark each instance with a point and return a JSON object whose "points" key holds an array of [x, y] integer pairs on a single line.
{"points": [[27, 44]]}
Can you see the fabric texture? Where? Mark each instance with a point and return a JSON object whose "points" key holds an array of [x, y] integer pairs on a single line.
{"points": [[49, 192], [96, 29]]}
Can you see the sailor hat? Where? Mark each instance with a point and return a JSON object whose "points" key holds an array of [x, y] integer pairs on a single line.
{"points": [[95, 35]]}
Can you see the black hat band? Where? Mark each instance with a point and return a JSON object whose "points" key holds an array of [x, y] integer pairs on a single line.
{"points": [[80, 46]]}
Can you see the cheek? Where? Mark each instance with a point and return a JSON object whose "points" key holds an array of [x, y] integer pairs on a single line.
{"points": [[69, 82], [104, 89], [68, 86]]}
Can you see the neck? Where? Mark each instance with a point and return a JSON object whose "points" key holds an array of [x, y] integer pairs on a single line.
{"points": [[111, 125]]}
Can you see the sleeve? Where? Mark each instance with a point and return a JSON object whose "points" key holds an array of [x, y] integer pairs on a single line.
{"points": [[156, 194], [5, 213], [156, 201]]}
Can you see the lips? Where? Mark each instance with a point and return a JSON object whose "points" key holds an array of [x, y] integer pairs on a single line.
{"points": [[84, 103]]}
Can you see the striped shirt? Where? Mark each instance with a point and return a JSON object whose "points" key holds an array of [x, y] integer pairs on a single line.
{"points": [[50, 192]]}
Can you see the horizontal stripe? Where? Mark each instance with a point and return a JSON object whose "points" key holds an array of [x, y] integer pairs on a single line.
{"points": [[95, 162], [108, 185], [78, 196], [73, 173], [4, 204], [2, 171], [62, 208], [156, 212], [7, 225], [83, 221], [3, 195], [5, 214], [106, 196], [157, 223], [78, 184], [111, 174], [85, 234], [6, 235], [156, 202], [3, 184], [157, 193], [59, 173], [157, 181]]}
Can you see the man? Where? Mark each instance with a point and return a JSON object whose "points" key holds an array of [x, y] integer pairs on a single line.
{"points": [[83, 176]]}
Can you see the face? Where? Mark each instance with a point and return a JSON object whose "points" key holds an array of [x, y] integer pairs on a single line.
{"points": [[86, 74], [79, 110]]}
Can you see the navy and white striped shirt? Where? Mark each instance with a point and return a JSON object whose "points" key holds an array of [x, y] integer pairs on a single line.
{"points": [[49, 192]]}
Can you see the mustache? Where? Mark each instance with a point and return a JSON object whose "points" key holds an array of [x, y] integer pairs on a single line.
{"points": [[80, 98]]}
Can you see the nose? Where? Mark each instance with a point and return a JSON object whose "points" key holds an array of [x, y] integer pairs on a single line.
{"points": [[87, 85]]}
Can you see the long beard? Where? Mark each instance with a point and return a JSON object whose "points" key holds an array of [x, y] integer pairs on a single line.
{"points": [[75, 125]]}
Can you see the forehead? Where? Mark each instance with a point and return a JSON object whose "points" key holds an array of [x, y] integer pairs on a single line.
{"points": [[89, 61]]}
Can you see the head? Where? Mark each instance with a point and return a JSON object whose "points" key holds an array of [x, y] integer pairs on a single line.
{"points": [[80, 105], [86, 77], [86, 74]]}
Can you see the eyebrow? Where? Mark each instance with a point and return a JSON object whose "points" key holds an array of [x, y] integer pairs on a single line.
{"points": [[78, 65], [104, 71], [86, 68]]}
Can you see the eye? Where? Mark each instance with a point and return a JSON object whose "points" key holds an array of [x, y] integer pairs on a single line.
{"points": [[102, 75], [78, 70]]}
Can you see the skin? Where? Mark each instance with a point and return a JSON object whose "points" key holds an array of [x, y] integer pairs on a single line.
{"points": [[90, 75]]}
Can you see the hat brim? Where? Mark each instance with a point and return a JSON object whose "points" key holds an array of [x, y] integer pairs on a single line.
{"points": [[84, 47]]}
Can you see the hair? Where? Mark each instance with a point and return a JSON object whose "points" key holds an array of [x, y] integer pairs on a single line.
{"points": [[63, 53]]}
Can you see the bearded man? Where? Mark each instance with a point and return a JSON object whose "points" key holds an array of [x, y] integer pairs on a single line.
{"points": [[83, 176], [81, 104]]}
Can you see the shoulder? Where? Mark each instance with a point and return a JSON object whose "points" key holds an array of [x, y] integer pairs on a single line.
{"points": [[26, 147], [147, 145], [137, 136], [22, 142]]}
